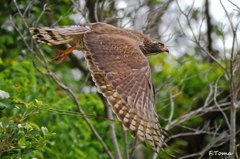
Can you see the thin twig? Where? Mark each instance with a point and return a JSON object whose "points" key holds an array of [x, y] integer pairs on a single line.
{"points": [[125, 142], [171, 112], [96, 11], [112, 132], [57, 81]]}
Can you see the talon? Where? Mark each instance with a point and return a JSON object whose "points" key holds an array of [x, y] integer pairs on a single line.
{"points": [[62, 55], [56, 57]]}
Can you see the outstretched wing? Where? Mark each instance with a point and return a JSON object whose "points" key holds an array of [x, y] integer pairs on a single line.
{"points": [[122, 74]]}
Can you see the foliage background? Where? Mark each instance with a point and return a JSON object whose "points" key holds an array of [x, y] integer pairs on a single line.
{"points": [[184, 83]]}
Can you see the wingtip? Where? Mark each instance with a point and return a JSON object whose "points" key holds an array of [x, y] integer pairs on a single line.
{"points": [[34, 30]]}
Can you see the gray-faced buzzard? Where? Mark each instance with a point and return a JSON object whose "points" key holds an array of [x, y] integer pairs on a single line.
{"points": [[120, 70]]}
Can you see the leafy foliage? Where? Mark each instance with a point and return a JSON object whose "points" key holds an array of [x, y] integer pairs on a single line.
{"points": [[18, 137], [56, 129]]}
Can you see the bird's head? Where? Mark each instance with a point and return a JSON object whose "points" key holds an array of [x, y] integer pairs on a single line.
{"points": [[152, 46], [158, 47]]}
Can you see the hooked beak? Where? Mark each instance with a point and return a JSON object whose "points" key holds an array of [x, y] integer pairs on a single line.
{"points": [[165, 49]]}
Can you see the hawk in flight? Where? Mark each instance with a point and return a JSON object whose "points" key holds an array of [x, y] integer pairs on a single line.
{"points": [[119, 67]]}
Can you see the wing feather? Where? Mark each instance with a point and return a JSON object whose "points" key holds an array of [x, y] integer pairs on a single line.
{"points": [[127, 69]]}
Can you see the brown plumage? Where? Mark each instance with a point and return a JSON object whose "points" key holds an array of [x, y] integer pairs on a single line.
{"points": [[116, 59]]}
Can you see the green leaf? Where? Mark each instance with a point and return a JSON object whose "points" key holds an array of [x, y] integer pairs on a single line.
{"points": [[28, 144], [2, 107], [38, 103], [21, 143], [50, 135], [28, 127], [2, 136], [3, 120], [7, 103], [44, 130], [7, 156]]}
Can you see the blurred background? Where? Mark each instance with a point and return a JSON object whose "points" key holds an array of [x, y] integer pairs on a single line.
{"points": [[197, 84]]}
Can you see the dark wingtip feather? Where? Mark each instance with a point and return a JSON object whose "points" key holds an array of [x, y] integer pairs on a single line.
{"points": [[34, 30], [38, 36]]}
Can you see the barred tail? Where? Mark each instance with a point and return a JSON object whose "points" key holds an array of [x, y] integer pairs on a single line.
{"points": [[57, 35]]}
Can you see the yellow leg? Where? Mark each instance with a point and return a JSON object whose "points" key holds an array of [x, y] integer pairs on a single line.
{"points": [[62, 55]]}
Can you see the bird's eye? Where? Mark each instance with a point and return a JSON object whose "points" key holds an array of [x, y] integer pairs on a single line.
{"points": [[160, 45]]}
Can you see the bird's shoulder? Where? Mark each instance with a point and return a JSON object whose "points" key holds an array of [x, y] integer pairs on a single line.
{"points": [[107, 29]]}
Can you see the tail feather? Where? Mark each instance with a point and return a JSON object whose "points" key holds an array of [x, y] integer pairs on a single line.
{"points": [[63, 30], [54, 42], [50, 36], [57, 35]]}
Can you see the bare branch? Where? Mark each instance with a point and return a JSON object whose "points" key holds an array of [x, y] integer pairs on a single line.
{"points": [[112, 131], [171, 112], [198, 112], [195, 39], [125, 142], [96, 11], [216, 103]]}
